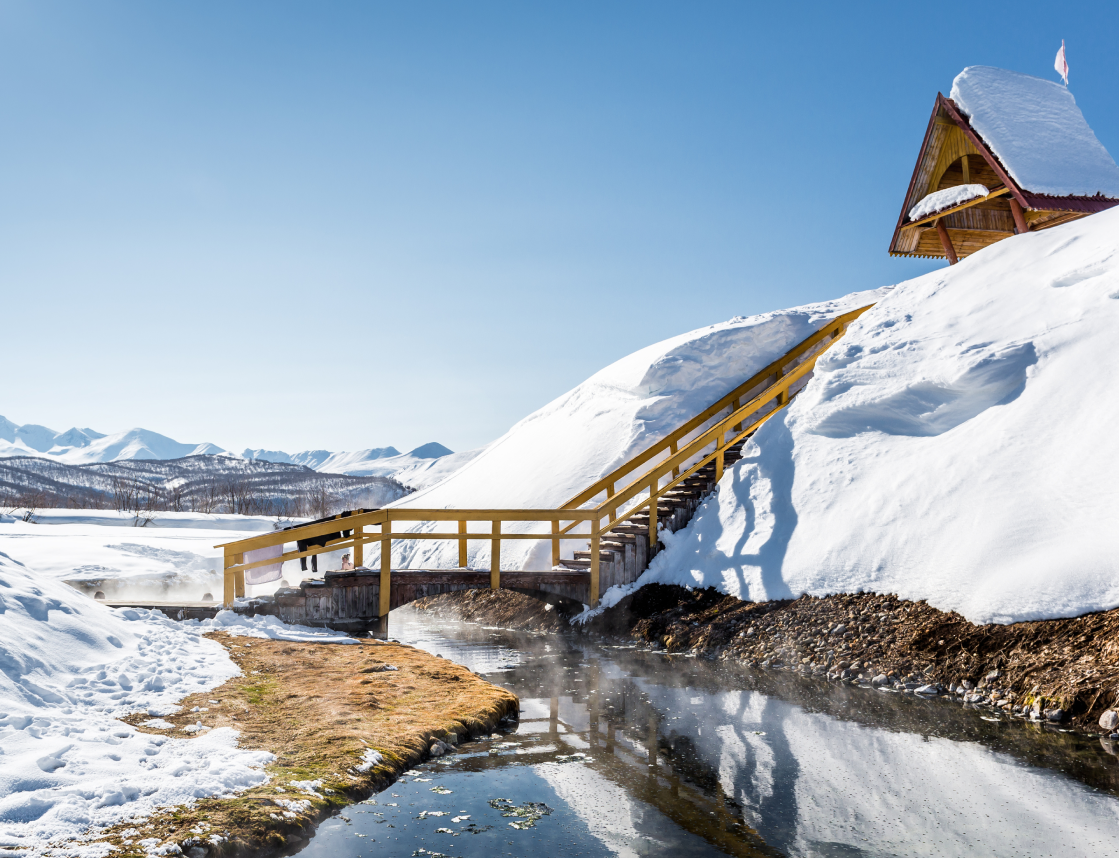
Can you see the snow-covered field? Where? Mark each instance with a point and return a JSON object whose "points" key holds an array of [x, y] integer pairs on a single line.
{"points": [[173, 557]]}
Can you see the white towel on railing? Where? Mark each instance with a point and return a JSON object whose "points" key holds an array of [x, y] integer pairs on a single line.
{"points": [[263, 574]]}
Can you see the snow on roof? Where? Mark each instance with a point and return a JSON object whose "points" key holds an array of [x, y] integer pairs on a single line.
{"points": [[1035, 129], [940, 200]]}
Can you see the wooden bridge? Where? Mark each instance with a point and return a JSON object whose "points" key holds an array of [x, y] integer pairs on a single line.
{"points": [[615, 522]]}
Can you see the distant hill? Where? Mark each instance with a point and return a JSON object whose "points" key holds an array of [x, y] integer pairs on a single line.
{"points": [[86, 446], [190, 484]]}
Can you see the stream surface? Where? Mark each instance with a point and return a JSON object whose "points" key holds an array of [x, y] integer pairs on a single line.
{"points": [[626, 751]]}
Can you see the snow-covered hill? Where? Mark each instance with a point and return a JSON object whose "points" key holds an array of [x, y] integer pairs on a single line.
{"points": [[958, 446], [377, 462], [568, 444]]}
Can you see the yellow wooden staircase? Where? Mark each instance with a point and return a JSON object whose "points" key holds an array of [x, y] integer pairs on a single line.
{"points": [[614, 522]]}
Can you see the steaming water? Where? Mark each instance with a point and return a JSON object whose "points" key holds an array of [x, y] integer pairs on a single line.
{"points": [[621, 751]]}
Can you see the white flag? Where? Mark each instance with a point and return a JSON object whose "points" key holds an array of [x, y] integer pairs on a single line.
{"points": [[1061, 64]]}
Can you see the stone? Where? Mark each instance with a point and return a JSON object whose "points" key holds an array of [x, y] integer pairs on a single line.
{"points": [[452, 738], [838, 630], [1109, 720], [1054, 715], [992, 676], [968, 684], [880, 679], [436, 749], [930, 690]]}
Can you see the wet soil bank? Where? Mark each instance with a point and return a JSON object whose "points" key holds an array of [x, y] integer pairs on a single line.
{"points": [[1059, 672], [342, 721]]}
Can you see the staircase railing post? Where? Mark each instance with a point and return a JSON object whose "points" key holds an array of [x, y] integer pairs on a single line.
{"points": [[359, 546], [595, 538], [386, 568], [720, 456], [610, 494], [495, 556], [673, 450], [653, 517], [462, 546]]}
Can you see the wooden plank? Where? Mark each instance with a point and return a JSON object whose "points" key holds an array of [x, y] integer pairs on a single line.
{"points": [[462, 544], [596, 563], [495, 555], [386, 570], [998, 192]]}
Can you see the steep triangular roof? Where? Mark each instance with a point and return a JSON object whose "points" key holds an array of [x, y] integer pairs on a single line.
{"points": [[1037, 132]]}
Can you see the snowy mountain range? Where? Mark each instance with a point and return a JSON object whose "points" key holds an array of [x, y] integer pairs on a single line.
{"points": [[418, 467]]}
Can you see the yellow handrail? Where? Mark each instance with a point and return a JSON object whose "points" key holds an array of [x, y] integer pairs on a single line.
{"points": [[644, 486]]}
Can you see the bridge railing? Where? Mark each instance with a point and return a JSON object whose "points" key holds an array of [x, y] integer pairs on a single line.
{"points": [[645, 480], [376, 526]]}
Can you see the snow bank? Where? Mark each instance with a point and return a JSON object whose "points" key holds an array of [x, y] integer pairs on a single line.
{"points": [[271, 628], [568, 444], [957, 446], [1035, 129], [68, 669], [940, 200]]}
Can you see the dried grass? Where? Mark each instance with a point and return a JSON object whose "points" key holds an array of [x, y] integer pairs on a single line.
{"points": [[318, 708]]}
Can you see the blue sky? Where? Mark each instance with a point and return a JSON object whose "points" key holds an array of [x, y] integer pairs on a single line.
{"points": [[350, 225]]}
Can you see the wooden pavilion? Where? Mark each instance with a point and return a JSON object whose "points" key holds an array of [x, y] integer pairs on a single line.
{"points": [[1006, 154]]}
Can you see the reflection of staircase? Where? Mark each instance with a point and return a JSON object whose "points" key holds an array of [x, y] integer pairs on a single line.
{"points": [[625, 550]]}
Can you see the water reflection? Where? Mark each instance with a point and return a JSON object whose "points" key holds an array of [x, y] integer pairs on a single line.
{"points": [[640, 753]]}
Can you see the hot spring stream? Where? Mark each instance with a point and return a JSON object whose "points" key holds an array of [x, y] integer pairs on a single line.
{"points": [[622, 751]]}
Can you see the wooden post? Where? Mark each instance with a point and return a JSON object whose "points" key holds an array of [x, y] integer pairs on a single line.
{"points": [[610, 494], [782, 395], [595, 537], [653, 518], [946, 242], [555, 543], [720, 456], [386, 569], [239, 576], [967, 172], [673, 450], [1019, 218], [495, 556], [462, 552], [359, 546], [230, 582]]}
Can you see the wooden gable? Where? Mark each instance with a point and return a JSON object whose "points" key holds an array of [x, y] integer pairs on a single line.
{"points": [[953, 154]]}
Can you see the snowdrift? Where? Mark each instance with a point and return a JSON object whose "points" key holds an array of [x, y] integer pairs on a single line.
{"points": [[583, 435], [959, 446], [68, 668]]}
